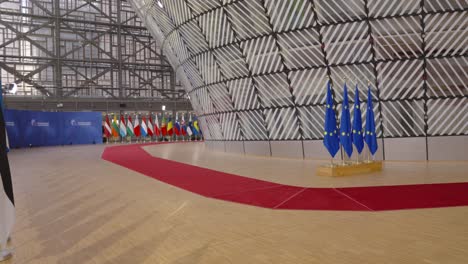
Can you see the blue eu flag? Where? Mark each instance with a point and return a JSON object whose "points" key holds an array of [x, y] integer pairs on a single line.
{"points": [[358, 139], [345, 125], [330, 139], [370, 137]]}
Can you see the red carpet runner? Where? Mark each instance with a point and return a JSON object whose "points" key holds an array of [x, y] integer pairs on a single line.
{"points": [[234, 188]]}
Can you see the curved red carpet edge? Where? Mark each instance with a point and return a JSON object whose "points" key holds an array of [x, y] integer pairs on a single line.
{"points": [[239, 189]]}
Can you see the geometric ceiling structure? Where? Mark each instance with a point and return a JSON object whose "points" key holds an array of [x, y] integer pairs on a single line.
{"points": [[83, 55], [256, 70]]}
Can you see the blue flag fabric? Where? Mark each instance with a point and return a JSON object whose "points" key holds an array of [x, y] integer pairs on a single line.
{"points": [[358, 139], [345, 125], [330, 139], [371, 136]]}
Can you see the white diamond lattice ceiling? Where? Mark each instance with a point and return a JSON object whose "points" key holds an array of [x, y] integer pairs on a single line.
{"points": [[256, 69]]}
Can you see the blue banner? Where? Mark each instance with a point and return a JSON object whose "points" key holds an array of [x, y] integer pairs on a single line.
{"points": [[32, 128], [82, 127]]}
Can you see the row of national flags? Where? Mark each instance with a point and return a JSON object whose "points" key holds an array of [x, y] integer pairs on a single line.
{"points": [[147, 127], [349, 134]]}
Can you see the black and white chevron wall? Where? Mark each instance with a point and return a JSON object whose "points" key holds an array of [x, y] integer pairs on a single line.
{"points": [[256, 69]]}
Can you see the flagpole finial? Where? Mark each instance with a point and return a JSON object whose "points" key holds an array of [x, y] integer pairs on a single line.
{"points": [[368, 82]]}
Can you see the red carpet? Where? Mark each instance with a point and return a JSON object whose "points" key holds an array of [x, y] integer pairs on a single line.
{"points": [[239, 189]]}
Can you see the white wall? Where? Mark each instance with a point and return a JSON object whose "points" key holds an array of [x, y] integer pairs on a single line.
{"points": [[404, 149]]}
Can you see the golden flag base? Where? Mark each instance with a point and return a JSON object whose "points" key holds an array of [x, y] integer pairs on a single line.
{"points": [[349, 168]]}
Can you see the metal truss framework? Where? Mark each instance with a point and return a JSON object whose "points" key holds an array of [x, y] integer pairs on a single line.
{"points": [[257, 69], [84, 54]]}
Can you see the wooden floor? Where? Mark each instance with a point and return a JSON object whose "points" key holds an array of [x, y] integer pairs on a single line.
{"points": [[73, 207], [302, 172]]}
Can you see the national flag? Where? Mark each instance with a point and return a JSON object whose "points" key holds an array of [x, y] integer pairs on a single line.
{"points": [[122, 127], [189, 129], [177, 126], [189, 126], [163, 126], [330, 139], [358, 139], [192, 127], [345, 125], [195, 124], [107, 128], [144, 127], [150, 126], [115, 127], [170, 127], [370, 136], [136, 127], [157, 131], [7, 202], [130, 127], [183, 128]]}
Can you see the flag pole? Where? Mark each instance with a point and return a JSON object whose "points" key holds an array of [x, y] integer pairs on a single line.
{"points": [[357, 154], [368, 154], [107, 138], [341, 146], [344, 155]]}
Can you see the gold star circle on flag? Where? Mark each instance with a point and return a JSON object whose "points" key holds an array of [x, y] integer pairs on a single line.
{"points": [[325, 133], [357, 106], [354, 131], [343, 133]]}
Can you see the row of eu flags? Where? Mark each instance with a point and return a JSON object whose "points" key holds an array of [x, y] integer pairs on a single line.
{"points": [[347, 135]]}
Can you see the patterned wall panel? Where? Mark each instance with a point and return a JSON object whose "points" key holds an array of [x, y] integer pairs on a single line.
{"points": [[257, 69]]}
